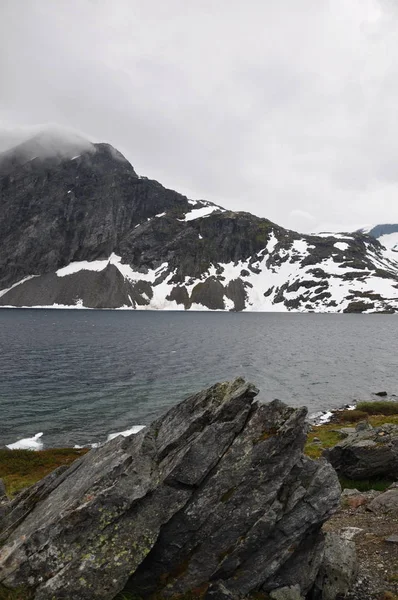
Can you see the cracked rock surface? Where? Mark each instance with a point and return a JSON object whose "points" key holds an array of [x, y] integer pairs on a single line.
{"points": [[216, 494]]}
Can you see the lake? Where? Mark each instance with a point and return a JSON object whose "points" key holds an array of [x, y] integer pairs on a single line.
{"points": [[79, 375]]}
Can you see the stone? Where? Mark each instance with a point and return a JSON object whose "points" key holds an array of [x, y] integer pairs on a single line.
{"points": [[286, 593], [346, 431], [348, 533], [385, 503], [381, 394], [218, 591], [393, 539], [356, 501], [339, 568], [367, 454], [216, 491], [347, 492], [363, 426]]}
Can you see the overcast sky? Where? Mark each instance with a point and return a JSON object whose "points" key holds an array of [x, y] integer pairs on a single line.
{"points": [[284, 108]]}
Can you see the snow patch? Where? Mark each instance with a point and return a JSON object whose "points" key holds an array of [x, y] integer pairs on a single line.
{"points": [[126, 433], [341, 246], [3, 292], [198, 213], [390, 241], [84, 265], [272, 242], [33, 443]]}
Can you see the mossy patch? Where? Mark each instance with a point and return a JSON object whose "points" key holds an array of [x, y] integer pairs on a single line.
{"points": [[328, 435], [351, 416], [365, 485], [379, 407], [20, 469], [228, 494], [16, 594]]}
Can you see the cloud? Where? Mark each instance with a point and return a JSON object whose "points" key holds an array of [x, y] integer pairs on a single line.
{"points": [[259, 106]]}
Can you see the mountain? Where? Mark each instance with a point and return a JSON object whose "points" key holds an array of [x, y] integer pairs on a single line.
{"points": [[80, 228], [386, 234]]}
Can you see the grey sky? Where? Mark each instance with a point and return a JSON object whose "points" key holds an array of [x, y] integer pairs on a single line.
{"points": [[285, 108]]}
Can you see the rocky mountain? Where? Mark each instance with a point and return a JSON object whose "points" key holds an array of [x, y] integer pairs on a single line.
{"points": [[80, 228]]}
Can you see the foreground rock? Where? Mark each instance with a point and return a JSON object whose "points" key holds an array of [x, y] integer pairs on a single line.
{"points": [[367, 454], [215, 497]]}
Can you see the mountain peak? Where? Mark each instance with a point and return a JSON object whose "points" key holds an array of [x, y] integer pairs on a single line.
{"points": [[50, 142]]}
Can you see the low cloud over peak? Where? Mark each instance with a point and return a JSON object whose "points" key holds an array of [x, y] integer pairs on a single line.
{"points": [[281, 109]]}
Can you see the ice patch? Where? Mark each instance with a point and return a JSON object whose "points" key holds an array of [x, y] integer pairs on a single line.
{"points": [[33, 443], [126, 433]]}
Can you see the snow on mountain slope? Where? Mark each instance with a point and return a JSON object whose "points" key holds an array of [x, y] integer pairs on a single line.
{"points": [[390, 241], [387, 235], [289, 278], [91, 233]]}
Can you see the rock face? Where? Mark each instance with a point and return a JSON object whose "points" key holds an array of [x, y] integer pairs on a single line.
{"points": [[215, 497], [367, 454], [71, 227]]}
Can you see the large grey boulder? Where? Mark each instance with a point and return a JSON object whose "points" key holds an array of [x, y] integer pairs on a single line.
{"points": [[367, 454], [215, 496], [339, 568], [385, 503]]}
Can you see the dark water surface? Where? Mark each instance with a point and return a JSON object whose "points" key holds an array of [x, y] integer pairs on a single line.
{"points": [[80, 375]]}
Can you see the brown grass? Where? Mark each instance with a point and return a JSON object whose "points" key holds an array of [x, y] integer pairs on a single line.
{"points": [[20, 469]]}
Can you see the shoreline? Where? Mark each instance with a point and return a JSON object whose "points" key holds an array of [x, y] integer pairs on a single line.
{"points": [[317, 418]]}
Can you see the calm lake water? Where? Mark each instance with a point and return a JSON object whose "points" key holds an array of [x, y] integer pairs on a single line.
{"points": [[79, 375]]}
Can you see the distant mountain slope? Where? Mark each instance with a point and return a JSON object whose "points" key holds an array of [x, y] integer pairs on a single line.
{"points": [[386, 234], [87, 231]]}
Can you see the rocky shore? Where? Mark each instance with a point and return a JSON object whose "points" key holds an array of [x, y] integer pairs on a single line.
{"points": [[218, 499]]}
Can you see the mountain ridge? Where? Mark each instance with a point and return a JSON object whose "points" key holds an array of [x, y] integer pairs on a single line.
{"points": [[87, 231]]}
